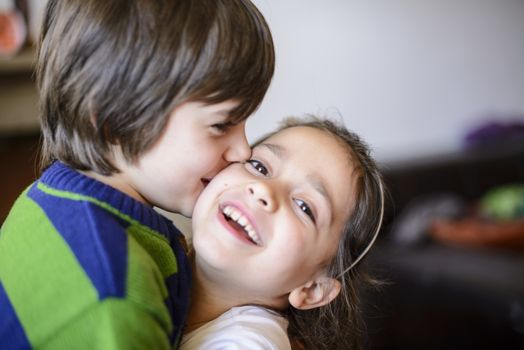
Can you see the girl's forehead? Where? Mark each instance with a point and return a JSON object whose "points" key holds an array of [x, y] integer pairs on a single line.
{"points": [[309, 142]]}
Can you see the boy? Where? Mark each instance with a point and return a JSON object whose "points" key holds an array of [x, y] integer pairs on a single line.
{"points": [[142, 103]]}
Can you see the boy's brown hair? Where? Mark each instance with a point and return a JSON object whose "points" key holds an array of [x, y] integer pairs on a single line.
{"points": [[110, 72]]}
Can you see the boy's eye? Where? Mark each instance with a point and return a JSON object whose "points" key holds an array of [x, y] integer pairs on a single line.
{"points": [[305, 208], [222, 127], [258, 166]]}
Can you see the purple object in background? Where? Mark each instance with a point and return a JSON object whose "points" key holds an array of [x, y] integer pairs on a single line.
{"points": [[493, 133]]}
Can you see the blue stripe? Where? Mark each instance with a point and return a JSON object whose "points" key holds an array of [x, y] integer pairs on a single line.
{"points": [[97, 238], [179, 286], [11, 331]]}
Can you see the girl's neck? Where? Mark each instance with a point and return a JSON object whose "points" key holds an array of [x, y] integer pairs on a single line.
{"points": [[208, 301], [211, 297]]}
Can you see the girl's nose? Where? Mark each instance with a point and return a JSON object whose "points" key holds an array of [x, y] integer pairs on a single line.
{"points": [[263, 195]]}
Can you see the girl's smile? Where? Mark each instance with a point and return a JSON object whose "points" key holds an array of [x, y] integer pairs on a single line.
{"points": [[237, 221]]}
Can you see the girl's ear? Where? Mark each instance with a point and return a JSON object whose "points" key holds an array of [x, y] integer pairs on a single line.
{"points": [[314, 293]]}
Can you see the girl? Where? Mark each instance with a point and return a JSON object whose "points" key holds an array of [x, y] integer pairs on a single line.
{"points": [[277, 241]]}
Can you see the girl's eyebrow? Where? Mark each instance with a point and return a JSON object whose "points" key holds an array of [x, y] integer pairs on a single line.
{"points": [[277, 150], [318, 185], [316, 182]]}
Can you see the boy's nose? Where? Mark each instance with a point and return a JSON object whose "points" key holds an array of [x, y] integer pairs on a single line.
{"points": [[238, 150], [263, 196]]}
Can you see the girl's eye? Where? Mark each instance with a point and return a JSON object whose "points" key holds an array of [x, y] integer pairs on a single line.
{"points": [[258, 166], [306, 209]]}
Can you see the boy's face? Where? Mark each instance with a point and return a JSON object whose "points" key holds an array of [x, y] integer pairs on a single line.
{"points": [[196, 144], [267, 226]]}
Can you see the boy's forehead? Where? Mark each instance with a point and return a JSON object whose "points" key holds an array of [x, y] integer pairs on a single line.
{"points": [[229, 109], [223, 107]]}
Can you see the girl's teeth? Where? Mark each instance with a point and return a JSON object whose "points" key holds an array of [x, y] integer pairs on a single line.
{"points": [[235, 216], [241, 220]]}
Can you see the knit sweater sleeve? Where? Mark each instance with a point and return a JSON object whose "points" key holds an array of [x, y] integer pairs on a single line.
{"points": [[113, 324]]}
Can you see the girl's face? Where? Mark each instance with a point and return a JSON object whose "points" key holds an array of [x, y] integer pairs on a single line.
{"points": [[267, 226]]}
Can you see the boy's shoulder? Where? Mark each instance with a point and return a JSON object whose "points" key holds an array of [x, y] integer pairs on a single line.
{"points": [[66, 250], [103, 232]]}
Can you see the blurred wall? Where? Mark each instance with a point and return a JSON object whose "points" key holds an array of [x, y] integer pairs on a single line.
{"points": [[411, 76]]}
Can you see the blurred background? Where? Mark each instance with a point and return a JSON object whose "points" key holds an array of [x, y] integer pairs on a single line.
{"points": [[437, 90]]}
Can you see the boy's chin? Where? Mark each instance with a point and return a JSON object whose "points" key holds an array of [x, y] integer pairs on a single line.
{"points": [[205, 182]]}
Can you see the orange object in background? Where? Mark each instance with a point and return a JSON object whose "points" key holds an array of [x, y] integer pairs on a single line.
{"points": [[477, 232], [13, 32], [497, 220]]}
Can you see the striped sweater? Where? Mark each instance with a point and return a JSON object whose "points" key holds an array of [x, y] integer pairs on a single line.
{"points": [[84, 266]]}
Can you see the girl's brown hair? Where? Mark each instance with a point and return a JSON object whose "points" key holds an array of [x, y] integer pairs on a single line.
{"points": [[110, 72], [339, 324]]}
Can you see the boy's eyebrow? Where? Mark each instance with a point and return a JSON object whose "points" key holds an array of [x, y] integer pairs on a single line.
{"points": [[229, 118], [314, 179], [224, 113]]}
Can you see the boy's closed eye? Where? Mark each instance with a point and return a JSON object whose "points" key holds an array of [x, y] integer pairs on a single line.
{"points": [[222, 128]]}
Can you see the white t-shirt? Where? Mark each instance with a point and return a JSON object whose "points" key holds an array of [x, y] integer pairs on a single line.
{"points": [[243, 327]]}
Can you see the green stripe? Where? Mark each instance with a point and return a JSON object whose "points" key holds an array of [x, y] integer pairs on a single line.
{"points": [[159, 250], [152, 240], [114, 324], [41, 275], [141, 321], [145, 285]]}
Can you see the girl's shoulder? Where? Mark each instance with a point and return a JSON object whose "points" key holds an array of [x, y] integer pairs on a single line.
{"points": [[249, 327]]}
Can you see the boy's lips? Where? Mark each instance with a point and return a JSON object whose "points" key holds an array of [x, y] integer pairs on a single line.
{"points": [[236, 221], [205, 181]]}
